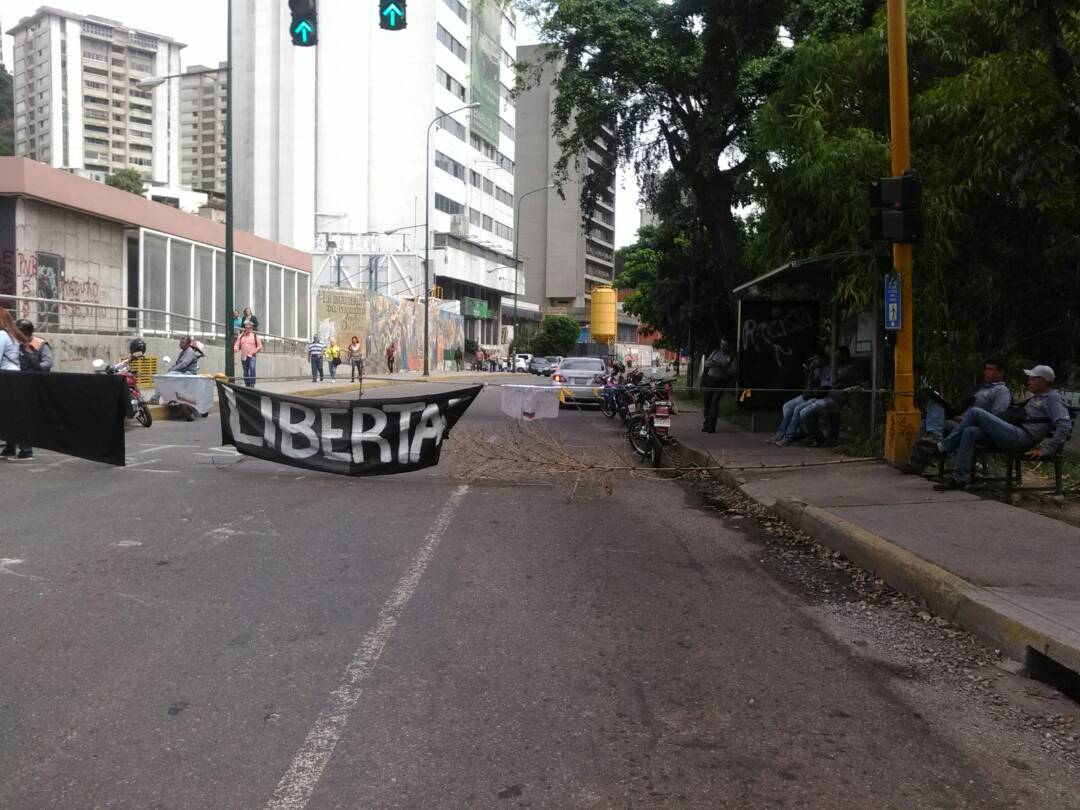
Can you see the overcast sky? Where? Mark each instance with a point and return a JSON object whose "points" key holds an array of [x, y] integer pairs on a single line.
{"points": [[200, 24]]}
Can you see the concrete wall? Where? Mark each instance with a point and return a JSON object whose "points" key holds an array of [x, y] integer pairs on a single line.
{"points": [[62, 254], [76, 353]]}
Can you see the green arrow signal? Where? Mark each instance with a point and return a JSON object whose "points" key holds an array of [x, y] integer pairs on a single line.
{"points": [[391, 11], [303, 30]]}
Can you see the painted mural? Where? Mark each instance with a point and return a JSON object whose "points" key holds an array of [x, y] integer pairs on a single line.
{"points": [[379, 320]]}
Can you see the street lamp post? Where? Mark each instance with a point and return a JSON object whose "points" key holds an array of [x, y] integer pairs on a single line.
{"points": [[147, 84], [517, 261], [427, 233]]}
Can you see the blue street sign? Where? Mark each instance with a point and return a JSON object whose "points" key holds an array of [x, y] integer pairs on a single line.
{"points": [[893, 316]]}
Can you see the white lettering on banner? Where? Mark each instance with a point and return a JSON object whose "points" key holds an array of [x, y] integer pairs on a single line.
{"points": [[372, 436], [234, 422], [266, 407], [290, 430], [432, 426], [406, 411], [329, 433]]}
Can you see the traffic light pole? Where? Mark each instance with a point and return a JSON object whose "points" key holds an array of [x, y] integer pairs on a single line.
{"points": [[902, 421], [230, 368]]}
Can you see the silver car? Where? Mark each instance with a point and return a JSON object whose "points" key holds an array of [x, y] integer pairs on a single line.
{"points": [[577, 377]]}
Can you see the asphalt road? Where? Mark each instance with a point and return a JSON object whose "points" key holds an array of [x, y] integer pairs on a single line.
{"points": [[199, 631]]}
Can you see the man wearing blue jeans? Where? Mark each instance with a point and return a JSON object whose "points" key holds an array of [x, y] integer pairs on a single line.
{"points": [[833, 396], [1045, 427], [316, 349], [816, 371], [993, 396]]}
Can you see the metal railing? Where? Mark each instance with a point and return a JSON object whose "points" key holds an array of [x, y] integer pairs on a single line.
{"points": [[57, 316]]}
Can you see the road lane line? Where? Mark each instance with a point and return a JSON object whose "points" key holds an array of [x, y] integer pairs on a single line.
{"points": [[296, 786]]}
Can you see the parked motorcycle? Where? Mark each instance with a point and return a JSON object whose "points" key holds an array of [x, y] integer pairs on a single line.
{"points": [[648, 426], [137, 408]]}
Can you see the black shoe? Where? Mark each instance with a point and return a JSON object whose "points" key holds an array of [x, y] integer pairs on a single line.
{"points": [[911, 469], [950, 484], [25, 454]]}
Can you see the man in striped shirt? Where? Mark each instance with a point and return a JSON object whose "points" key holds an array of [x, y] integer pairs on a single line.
{"points": [[315, 351]]}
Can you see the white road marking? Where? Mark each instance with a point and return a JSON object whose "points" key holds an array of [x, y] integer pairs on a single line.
{"points": [[168, 472], [63, 461], [5, 568], [129, 465], [149, 448], [127, 543], [296, 786]]}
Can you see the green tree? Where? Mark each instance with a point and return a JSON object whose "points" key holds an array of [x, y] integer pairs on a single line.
{"points": [[126, 180], [664, 83], [994, 120], [559, 334], [7, 113]]}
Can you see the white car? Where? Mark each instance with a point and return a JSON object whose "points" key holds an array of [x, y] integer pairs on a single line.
{"points": [[521, 362]]}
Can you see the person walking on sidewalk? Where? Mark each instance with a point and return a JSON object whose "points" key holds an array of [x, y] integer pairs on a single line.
{"points": [[34, 355], [315, 351], [1041, 429], [391, 355], [719, 372], [993, 396], [356, 360], [249, 345], [333, 358], [459, 359]]}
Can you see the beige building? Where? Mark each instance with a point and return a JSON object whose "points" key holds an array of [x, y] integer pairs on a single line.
{"points": [[562, 260], [202, 128], [77, 101]]}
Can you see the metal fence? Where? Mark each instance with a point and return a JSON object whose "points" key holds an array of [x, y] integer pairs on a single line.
{"points": [[56, 316]]}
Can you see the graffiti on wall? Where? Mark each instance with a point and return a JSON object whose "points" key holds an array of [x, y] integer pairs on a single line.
{"points": [[377, 320], [44, 275]]}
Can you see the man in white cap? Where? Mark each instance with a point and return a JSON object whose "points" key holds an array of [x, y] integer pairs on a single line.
{"points": [[1041, 431]]}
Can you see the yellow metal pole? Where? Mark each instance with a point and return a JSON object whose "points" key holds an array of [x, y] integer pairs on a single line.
{"points": [[902, 421]]}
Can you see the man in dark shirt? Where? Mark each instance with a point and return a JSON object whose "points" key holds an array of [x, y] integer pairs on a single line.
{"points": [[834, 395]]}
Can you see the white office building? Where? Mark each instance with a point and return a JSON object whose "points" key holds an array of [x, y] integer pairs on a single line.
{"points": [[77, 103], [202, 128], [330, 147]]}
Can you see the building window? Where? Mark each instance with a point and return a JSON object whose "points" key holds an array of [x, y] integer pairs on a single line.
{"points": [[458, 9], [489, 187], [486, 222], [455, 128], [448, 206], [474, 217], [444, 79], [449, 165], [506, 129], [504, 231], [504, 196], [445, 37]]}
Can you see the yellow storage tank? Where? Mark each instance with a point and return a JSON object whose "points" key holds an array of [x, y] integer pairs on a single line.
{"points": [[603, 325]]}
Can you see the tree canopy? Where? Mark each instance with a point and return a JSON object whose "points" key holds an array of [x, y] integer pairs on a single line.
{"points": [[127, 180]]}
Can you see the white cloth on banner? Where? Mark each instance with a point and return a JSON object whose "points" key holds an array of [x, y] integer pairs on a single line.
{"points": [[530, 401], [186, 389]]}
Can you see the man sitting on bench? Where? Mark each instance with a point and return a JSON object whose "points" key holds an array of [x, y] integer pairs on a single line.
{"points": [[993, 396], [831, 398], [1043, 428]]}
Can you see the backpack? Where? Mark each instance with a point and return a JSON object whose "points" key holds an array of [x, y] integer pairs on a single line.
{"points": [[29, 357]]}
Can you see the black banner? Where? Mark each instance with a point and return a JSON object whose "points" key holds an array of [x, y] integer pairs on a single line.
{"points": [[347, 437], [76, 414], [776, 339]]}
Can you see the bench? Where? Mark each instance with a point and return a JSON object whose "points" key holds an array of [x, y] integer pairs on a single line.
{"points": [[1014, 467]]}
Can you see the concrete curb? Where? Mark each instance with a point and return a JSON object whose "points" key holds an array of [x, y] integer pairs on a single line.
{"points": [[988, 614]]}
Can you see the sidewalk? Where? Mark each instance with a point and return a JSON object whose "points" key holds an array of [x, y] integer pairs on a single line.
{"points": [[1006, 574]]}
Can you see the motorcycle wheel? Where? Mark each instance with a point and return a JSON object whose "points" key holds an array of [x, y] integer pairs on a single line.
{"points": [[607, 407], [638, 440], [189, 413], [656, 453], [142, 415]]}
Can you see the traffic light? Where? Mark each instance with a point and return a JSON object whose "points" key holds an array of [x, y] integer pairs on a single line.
{"points": [[304, 28], [392, 15], [896, 217]]}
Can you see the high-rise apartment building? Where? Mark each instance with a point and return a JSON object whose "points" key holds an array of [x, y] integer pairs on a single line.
{"points": [[202, 128], [77, 101], [563, 258], [332, 145]]}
